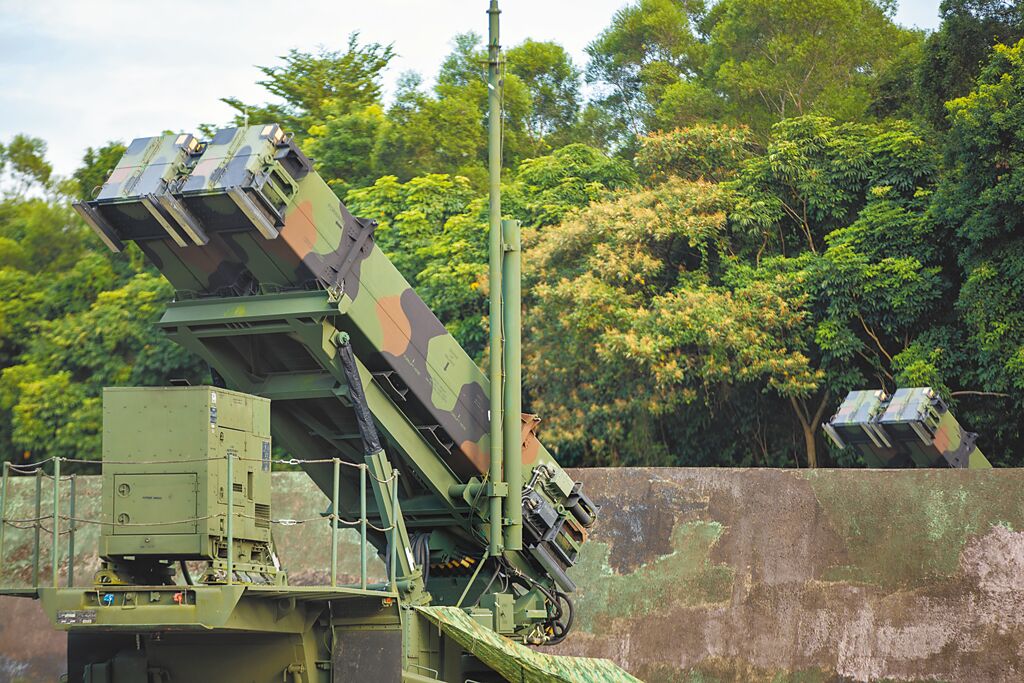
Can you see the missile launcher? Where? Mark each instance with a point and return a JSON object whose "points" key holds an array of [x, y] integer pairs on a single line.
{"points": [[308, 326], [271, 271], [910, 428], [315, 339]]}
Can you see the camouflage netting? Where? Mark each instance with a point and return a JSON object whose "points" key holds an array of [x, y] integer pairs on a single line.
{"points": [[519, 663]]}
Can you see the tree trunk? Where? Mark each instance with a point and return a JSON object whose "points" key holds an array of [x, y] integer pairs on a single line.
{"points": [[810, 443], [809, 424]]}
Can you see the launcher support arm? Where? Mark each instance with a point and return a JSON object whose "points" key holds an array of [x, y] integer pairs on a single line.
{"points": [[402, 571]]}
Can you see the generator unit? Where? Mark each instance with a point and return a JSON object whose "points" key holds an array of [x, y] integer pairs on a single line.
{"points": [[167, 488]]}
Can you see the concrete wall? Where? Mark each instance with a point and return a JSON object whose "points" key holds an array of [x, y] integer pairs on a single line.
{"points": [[704, 575]]}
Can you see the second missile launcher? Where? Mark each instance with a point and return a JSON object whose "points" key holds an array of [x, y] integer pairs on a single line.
{"points": [[909, 428]]}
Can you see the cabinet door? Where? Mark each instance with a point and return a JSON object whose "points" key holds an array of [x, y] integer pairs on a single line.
{"points": [[153, 500]]}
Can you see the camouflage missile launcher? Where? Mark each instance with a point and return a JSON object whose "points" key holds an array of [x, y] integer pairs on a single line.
{"points": [[287, 296], [238, 216], [242, 220], [910, 428]]}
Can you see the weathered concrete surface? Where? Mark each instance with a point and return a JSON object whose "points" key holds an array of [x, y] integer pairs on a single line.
{"points": [[698, 575], [732, 575]]}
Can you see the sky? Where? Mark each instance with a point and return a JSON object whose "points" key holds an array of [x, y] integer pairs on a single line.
{"points": [[78, 73]]}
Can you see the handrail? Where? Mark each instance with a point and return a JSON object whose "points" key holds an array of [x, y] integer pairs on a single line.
{"points": [[73, 521], [3, 511]]}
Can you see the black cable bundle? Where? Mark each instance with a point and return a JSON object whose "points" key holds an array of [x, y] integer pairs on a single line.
{"points": [[421, 553]]}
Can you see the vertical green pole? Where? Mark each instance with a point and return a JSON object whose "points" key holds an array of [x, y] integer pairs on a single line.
{"points": [[55, 548], [334, 522], [513, 398], [39, 513], [362, 526], [231, 516], [394, 529], [72, 495], [3, 512], [494, 249]]}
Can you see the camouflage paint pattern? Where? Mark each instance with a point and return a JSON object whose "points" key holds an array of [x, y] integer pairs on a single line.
{"points": [[516, 662], [719, 575], [320, 245], [708, 575], [912, 427]]}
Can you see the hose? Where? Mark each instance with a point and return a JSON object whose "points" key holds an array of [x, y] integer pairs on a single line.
{"points": [[562, 611], [421, 553], [185, 573]]}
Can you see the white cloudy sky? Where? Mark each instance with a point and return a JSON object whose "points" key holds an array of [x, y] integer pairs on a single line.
{"points": [[81, 72]]}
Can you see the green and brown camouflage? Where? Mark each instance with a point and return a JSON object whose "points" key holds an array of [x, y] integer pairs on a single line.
{"points": [[910, 428], [318, 244], [516, 662], [271, 270]]}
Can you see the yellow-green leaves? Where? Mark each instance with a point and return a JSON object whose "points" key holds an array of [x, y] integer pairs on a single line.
{"points": [[630, 323]]}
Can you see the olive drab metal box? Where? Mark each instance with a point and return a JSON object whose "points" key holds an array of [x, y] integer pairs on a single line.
{"points": [[165, 475]]}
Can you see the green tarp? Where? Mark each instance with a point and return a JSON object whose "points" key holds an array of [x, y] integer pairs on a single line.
{"points": [[518, 663]]}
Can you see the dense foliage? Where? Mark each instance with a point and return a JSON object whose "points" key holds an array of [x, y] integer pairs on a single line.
{"points": [[752, 209]]}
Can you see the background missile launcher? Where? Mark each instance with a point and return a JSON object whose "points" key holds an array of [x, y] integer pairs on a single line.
{"points": [[910, 428]]}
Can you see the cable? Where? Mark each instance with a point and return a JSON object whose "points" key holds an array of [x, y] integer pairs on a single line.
{"points": [[185, 573], [421, 552], [561, 628], [490, 583], [560, 620]]}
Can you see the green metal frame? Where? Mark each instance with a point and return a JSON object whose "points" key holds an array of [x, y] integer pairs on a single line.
{"points": [[314, 319]]}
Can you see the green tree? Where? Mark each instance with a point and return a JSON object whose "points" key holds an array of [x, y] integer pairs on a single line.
{"points": [[312, 84], [546, 189], [632, 339], [97, 163], [48, 234], [649, 46], [773, 60], [955, 54], [708, 152], [980, 199], [23, 161], [553, 83], [895, 91], [815, 176], [444, 130], [343, 147]]}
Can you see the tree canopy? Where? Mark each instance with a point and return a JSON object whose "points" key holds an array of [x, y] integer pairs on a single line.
{"points": [[734, 212]]}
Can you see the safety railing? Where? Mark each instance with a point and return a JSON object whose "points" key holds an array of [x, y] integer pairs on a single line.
{"points": [[72, 522], [36, 523]]}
